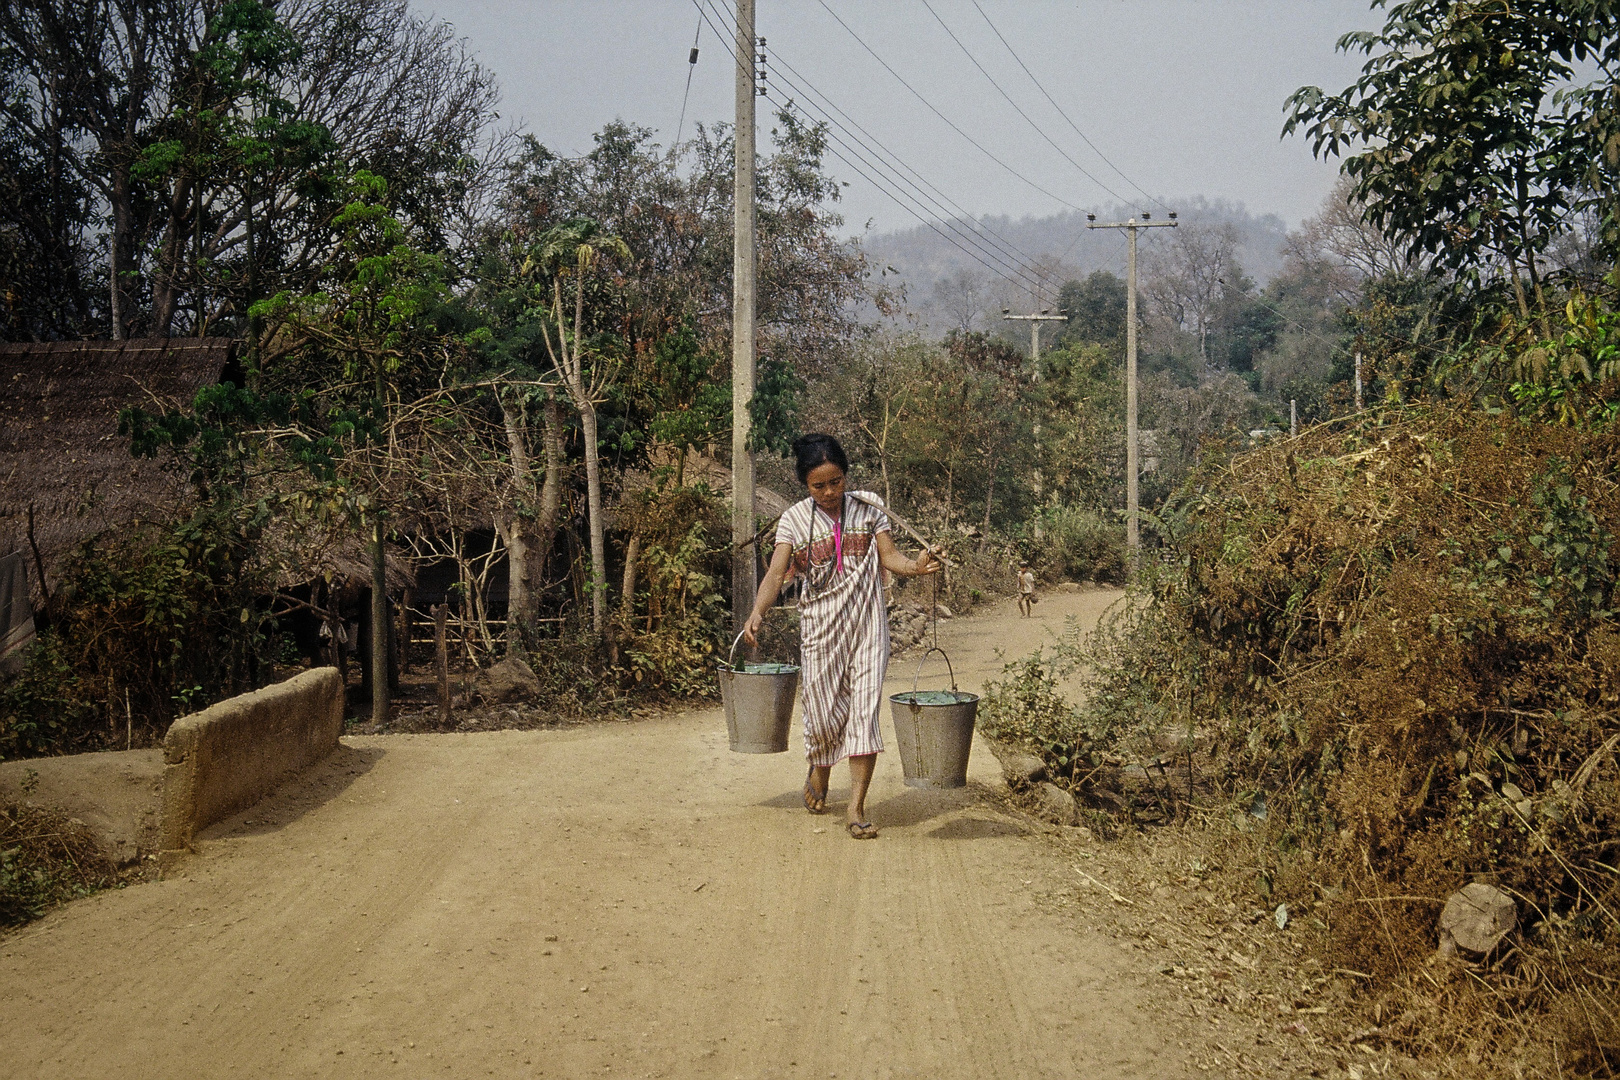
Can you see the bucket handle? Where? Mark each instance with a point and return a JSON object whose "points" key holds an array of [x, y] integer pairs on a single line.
{"points": [[732, 655], [924, 659], [729, 662]]}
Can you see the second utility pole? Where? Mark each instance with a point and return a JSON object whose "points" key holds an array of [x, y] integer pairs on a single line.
{"points": [[743, 582], [1133, 534], [1035, 321]]}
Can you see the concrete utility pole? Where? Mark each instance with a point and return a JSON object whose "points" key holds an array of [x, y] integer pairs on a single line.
{"points": [[1035, 332], [1358, 382], [1133, 534], [743, 582], [1035, 320]]}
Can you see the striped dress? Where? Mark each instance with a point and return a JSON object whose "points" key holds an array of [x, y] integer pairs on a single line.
{"points": [[843, 624]]}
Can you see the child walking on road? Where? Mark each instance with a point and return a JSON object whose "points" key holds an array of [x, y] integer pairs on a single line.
{"points": [[1026, 590]]}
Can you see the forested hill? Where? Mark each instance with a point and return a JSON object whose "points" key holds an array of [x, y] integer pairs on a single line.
{"points": [[1060, 245]]}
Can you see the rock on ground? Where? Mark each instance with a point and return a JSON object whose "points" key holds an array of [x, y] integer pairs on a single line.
{"points": [[1476, 917], [509, 680], [1055, 804], [1021, 769]]}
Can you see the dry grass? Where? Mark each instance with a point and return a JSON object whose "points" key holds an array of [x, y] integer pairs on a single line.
{"points": [[45, 859], [1391, 660]]}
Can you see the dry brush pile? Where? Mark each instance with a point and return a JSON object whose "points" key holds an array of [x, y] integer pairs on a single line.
{"points": [[1394, 648]]}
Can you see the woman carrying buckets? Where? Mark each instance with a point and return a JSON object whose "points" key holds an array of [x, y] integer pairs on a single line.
{"points": [[836, 541]]}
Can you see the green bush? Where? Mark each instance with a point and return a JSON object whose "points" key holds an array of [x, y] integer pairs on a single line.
{"points": [[45, 858], [670, 631], [145, 623], [45, 708], [1081, 545]]}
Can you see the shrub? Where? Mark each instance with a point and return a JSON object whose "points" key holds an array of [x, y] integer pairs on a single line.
{"points": [[1398, 637], [145, 623], [671, 629], [1081, 545], [45, 859]]}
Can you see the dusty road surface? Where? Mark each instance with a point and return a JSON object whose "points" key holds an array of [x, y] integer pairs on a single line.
{"points": [[620, 900]]}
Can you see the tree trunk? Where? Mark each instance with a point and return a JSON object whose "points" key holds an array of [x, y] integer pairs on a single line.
{"points": [[522, 608], [627, 597], [441, 660], [1518, 290], [379, 626], [550, 513], [989, 498], [168, 280], [509, 526], [593, 507], [115, 246]]}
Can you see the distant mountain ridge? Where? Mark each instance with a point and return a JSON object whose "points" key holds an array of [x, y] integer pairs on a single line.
{"points": [[1060, 246]]}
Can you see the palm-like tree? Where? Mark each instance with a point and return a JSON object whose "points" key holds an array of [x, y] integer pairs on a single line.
{"points": [[574, 249]]}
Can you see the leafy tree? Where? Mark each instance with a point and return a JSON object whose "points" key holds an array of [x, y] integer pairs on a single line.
{"points": [[575, 250], [189, 156], [1096, 309], [693, 408], [367, 341], [1465, 139]]}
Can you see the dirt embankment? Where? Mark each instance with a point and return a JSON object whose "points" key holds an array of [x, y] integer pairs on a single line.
{"points": [[623, 899]]}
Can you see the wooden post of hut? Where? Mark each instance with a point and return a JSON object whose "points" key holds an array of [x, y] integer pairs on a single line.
{"points": [[441, 660], [404, 630]]}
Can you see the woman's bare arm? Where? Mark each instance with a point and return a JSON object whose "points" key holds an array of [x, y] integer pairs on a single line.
{"points": [[896, 563], [769, 590]]}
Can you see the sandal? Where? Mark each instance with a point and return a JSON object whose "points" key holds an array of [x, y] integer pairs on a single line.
{"points": [[862, 830], [814, 801]]}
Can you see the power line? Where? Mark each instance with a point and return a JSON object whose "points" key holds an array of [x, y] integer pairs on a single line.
{"points": [[951, 124], [691, 66], [946, 209], [959, 213], [1023, 264], [1012, 265], [1016, 108], [1061, 112]]}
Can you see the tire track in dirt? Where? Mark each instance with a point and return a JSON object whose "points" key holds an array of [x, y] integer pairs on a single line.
{"points": [[618, 900]]}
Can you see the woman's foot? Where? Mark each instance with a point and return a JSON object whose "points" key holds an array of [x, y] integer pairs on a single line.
{"points": [[814, 801], [862, 830]]}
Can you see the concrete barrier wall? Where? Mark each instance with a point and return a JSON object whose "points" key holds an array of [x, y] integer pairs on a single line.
{"points": [[231, 755]]}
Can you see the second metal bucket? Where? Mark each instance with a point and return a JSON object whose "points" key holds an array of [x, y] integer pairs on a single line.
{"points": [[758, 700], [933, 731]]}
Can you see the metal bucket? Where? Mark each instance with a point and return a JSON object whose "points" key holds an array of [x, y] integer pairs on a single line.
{"points": [[758, 700], [933, 731]]}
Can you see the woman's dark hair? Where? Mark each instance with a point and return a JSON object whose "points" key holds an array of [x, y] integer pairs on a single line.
{"points": [[815, 449]]}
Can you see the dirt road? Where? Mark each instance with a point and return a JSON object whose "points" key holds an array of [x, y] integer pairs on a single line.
{"points": [[626, 899]]}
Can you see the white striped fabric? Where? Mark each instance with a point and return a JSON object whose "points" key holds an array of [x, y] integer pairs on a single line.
{"points": [[843, 627]]}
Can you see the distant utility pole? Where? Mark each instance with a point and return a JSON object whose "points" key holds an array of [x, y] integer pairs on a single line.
{"points": [[743, 582], [1035, 320], [1034, 332], [1133, 535]]}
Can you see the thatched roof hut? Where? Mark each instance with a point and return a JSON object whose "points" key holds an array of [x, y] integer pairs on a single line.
{"points": [[60, 452]]}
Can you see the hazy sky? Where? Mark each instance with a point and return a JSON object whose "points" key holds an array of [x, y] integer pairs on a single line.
{"points": [[1183, 96]]}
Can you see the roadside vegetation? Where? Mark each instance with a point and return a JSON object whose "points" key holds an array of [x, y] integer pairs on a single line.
{"points": [[1369, 662], [1376, 662], [46, 858]]}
